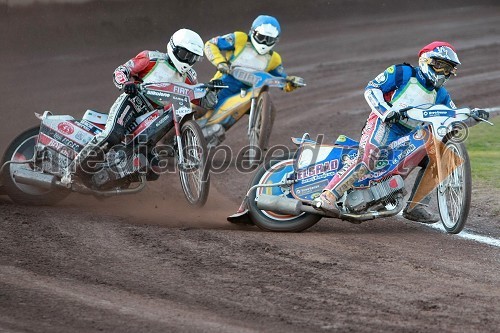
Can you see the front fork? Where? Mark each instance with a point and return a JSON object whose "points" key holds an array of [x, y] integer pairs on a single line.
{"points": [[252, 115], [177, 126]]}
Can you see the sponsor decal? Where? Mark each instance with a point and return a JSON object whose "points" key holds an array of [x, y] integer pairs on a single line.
{"points": [[70, 143], [65, 128], [317, 169], [381, 78], [439, 113], [157, 93], [309, 189], [399, 142], [120, 77], [121, 120], [405, 153], [181, 90]]}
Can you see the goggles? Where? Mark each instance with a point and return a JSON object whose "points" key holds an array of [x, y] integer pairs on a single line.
{"points": [[263, 39], [442, 66], [186, 56]]}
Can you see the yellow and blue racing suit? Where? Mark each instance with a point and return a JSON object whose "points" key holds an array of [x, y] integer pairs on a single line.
{"points": [[237, 49]]}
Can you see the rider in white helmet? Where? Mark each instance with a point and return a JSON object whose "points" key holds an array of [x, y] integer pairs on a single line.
{"points": [[251, 50], [184, 49]]}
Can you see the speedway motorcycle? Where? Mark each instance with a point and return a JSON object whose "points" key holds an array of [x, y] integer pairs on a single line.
{"points": [[254, 101], [37, 160], [281, 194]]}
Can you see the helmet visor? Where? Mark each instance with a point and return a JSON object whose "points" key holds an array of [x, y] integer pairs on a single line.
{"points": [[263, 39], [443, 67], [186, 56]]}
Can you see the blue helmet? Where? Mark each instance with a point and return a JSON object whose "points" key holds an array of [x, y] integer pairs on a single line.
{"points": [[264, 33]]}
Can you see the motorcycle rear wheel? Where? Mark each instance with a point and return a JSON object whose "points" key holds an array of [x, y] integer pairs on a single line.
{"points": [[194, 169], [22, 148], [271, 221], [261, 128], [454, 193]]}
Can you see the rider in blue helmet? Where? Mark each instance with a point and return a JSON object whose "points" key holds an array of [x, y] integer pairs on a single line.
{"points": [[252, 50]]}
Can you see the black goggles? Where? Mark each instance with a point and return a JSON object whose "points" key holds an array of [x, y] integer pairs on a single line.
{"points": [[263, 39], [445, 67], [186, 56]]}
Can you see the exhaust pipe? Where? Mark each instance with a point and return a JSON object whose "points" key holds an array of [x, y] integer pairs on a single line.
{"points": [[280, 205], [29, 177]]}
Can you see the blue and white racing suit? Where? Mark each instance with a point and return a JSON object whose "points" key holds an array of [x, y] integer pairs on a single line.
{"points": [[398, 87]]}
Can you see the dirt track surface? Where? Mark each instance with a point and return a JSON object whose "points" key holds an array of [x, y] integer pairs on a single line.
{"points": [[149, 263]]}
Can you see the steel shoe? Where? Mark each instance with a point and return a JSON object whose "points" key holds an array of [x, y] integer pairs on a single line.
{"points": [[420, 214]]}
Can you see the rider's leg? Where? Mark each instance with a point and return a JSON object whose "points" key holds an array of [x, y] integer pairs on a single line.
{"points": [[419, 213], [375, 134], [121, 115]]}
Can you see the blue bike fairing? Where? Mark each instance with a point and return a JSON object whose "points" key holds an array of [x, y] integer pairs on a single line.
{"points": [[311, 179]]}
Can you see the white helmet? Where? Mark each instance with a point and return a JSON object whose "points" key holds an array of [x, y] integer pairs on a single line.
{"points": [[438, 61], [264, 33], [184, 49]]}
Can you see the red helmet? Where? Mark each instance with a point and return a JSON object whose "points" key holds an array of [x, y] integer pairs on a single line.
{"points": [[438, 61]]}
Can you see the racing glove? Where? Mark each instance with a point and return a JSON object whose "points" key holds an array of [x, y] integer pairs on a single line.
{"points": [[223, 67], [480, 113], [392, 117], [130, 88], [293, 82], [219, 83], [210, 100]]}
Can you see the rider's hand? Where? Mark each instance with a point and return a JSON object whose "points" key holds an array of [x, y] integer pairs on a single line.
{"points": [[223, 67], [210, 100], [130, 88], [293, 82], [392, 117], [217, 83], [480, 113]]}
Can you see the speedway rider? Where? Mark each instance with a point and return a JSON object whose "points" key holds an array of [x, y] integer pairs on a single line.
{"points": [[252, 50], [184, 49], [397, 87]]}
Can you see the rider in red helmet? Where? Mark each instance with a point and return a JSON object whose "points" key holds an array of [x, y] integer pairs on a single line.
{"points": [[398, 87]]}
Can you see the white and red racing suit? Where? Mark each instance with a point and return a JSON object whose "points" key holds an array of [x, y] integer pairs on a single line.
{"points": [[146, 67]]}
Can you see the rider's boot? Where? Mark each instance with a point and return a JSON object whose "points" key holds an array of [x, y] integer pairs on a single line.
{"points": [[214, 134], [420, 214], [328, 203]]}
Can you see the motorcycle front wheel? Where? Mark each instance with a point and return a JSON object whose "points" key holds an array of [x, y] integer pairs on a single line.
{"points": [[260, 128], [22, 148], [454, 192], [194, 167], [275, 171]]}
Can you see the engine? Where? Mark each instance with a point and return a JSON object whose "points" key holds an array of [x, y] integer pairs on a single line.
{"points": [[359, 200], [119, 165]]}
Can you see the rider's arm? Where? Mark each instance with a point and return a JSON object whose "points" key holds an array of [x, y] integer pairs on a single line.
{"points": [[130, 69], [215, 46], [275, 66], [377, 90]]}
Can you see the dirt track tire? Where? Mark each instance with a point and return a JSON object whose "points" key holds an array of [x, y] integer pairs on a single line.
{"points": [[454, 193], [195, 182], [264, 118], [271, 221], [22, 147]]}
